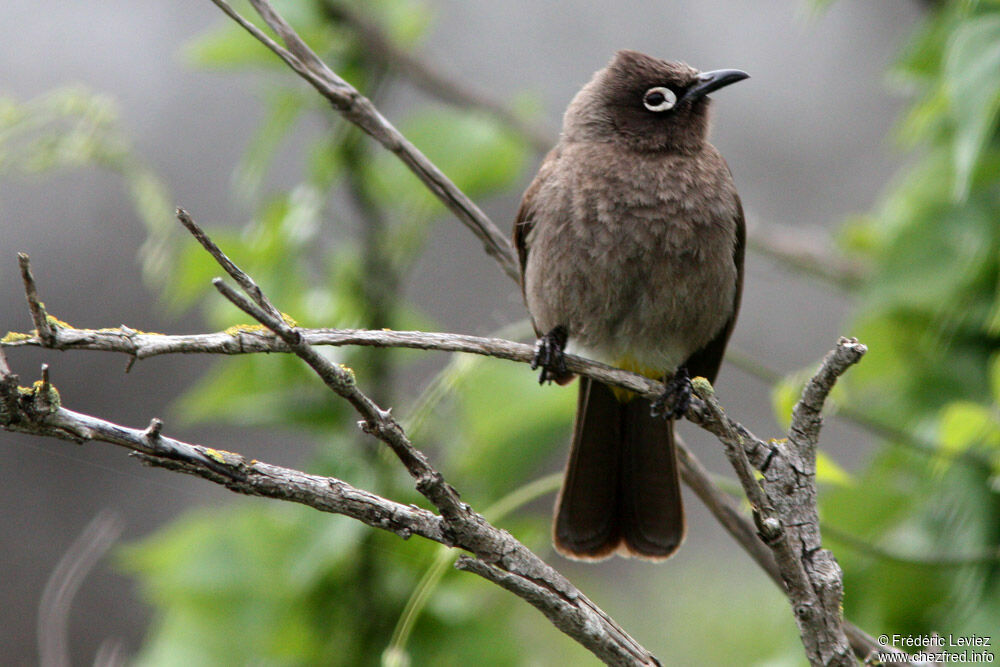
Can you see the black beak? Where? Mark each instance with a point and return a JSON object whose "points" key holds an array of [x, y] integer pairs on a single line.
{"points": [[708, 82]]}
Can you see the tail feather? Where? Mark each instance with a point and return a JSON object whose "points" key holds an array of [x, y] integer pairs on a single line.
{"points": [[621, 491], [651, 512]]}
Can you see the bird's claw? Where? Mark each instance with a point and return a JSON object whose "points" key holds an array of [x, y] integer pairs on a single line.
{"points": [[550, 356], [676, 397]]}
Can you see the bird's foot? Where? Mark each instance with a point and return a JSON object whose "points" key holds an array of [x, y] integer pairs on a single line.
{"points": [[550, 356], [676, 397]]}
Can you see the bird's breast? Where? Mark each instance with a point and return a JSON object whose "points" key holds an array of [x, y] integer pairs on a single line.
{"points": [[635, 256]]}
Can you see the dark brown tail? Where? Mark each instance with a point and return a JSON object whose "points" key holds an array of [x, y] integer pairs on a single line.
{"points": [[621, 492]]}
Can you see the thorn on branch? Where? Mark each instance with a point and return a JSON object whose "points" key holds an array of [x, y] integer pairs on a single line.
{"points": [[38, 315], [769, 528], [45, 397], [152, 432]]}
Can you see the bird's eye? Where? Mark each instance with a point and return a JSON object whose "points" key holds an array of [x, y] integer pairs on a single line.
{"points": [[659, 99]]}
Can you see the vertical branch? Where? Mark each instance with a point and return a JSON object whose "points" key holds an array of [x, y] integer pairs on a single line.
{"points": [[37, 308], [785, 505]]}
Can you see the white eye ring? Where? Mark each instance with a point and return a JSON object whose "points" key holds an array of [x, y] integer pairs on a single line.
{"points": [[659, 98]]}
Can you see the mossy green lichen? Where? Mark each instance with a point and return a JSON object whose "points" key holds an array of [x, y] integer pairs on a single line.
{"points": [[352, 379], [56, 322], [218, 455], [237, 329], [38, 394], [702, 387], [15, 337]]}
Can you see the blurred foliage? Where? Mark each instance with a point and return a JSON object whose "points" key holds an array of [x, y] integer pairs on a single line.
{"points": [[930, 314], [75, 127]]}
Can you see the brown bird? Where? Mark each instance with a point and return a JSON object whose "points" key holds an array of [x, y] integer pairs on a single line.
{"points": [[631, 241]]}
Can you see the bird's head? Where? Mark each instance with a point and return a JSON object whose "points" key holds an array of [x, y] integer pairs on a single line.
{"points": [[647, 103]]}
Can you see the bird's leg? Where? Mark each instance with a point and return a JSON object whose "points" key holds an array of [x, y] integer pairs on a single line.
{"points": [[676, 397], [550, 356]]}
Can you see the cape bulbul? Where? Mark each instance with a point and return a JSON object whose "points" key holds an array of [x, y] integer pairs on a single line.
{"points": [[631, 242]]}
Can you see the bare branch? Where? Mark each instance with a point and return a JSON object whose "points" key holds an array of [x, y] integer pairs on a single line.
{"points": [[242, 279], [707, 413], [499, 548], [733, 443], [37, 308], [359, 110], [806, 419], [245, 339], [785, 502], [860, 417], [724, 509], [253, 478]]}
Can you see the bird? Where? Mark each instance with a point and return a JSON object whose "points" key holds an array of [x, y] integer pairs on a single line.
{"points": [[630, 242]]}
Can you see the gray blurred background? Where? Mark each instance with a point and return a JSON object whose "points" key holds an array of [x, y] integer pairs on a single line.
{"points": [[805, 138]]}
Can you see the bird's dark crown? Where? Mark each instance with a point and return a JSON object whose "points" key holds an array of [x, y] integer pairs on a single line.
{"points": [[630, 73]]}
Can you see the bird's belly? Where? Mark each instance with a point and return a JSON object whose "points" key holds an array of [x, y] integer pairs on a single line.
{"points": [[638, 301]]}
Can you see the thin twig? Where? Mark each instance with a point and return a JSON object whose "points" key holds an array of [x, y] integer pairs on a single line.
{"points": [[37, 308], [733, 443], [242, 279], [359, 110], [64, 582], [254, 478], [851, 414], [805, 251], [931, 560], [254, 339], [247, 339]]}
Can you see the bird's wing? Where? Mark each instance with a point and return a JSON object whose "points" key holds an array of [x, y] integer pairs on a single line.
{"points": [[706, 361], [525, 220]]}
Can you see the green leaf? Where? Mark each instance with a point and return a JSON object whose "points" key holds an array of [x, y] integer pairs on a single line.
{"points": [[828, 471], [965, 424], [283, 109], [510, 425], [786, 393], [228, 46], [972, 80]]}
